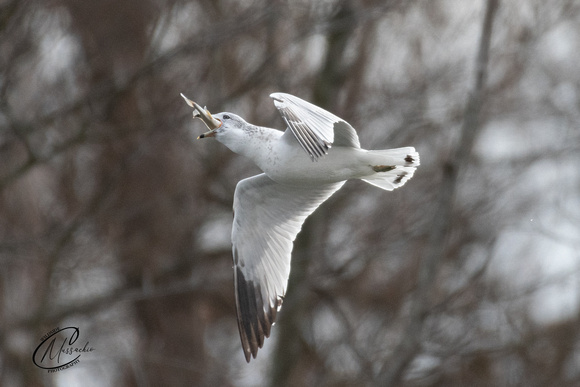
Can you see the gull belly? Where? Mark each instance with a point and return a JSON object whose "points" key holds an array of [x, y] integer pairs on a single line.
{"points": [[289, 165]]}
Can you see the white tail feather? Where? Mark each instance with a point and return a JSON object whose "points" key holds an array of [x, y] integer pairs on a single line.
{"points": [[393, 167]]}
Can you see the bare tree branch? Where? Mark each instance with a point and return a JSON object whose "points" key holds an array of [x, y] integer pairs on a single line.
{"points": [[407, 348]]}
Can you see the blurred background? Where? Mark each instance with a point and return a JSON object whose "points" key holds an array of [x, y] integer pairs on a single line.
{"points": [[115, 220]]}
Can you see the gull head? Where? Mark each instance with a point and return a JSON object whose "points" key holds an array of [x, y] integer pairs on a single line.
{"points": [[234, 132], [220, 125], [232, 129]]}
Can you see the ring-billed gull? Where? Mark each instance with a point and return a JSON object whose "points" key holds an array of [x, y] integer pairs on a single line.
{"points": [[303, 166]]}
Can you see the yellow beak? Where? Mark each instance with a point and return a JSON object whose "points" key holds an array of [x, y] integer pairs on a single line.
{"points": [[204, 115]]}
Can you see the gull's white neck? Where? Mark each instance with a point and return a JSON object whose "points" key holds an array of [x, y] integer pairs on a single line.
{"points": [[255, 142]]}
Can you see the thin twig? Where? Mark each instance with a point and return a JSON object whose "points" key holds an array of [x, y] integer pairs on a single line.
{"points": [[410, 344]]}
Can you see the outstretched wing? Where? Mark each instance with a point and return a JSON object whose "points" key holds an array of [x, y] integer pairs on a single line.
{"points": [[314, 128], [267, 218]]}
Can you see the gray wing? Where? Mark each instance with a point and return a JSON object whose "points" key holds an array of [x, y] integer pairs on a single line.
{"points": [[314, 128], [267, 218]]}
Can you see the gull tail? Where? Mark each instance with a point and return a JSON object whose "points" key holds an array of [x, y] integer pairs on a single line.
{"points": [[392, 167]]}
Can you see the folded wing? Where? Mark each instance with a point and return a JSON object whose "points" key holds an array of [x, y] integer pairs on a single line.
{"points": [[315, 129]]}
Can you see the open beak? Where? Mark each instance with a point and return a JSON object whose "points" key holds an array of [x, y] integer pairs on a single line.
{"points": [[204, 115]]}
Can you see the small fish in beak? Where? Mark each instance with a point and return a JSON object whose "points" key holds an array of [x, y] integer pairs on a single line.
{"points": [[204, 115]]}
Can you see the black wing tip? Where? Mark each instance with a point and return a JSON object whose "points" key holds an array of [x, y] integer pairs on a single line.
{"points": [[275, 97], [254, 322]]}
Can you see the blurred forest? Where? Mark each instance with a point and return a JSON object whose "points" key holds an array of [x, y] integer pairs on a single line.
{"points": [[115, 220]]}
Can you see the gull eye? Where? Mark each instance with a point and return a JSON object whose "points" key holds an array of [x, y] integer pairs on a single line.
{"points": [[226, 117]]}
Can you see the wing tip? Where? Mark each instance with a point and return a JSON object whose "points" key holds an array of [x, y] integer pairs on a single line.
{"points": [[277, 97], [254, 320]]}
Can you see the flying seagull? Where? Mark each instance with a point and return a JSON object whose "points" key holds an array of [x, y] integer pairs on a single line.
{"points": [[302, 167]]}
